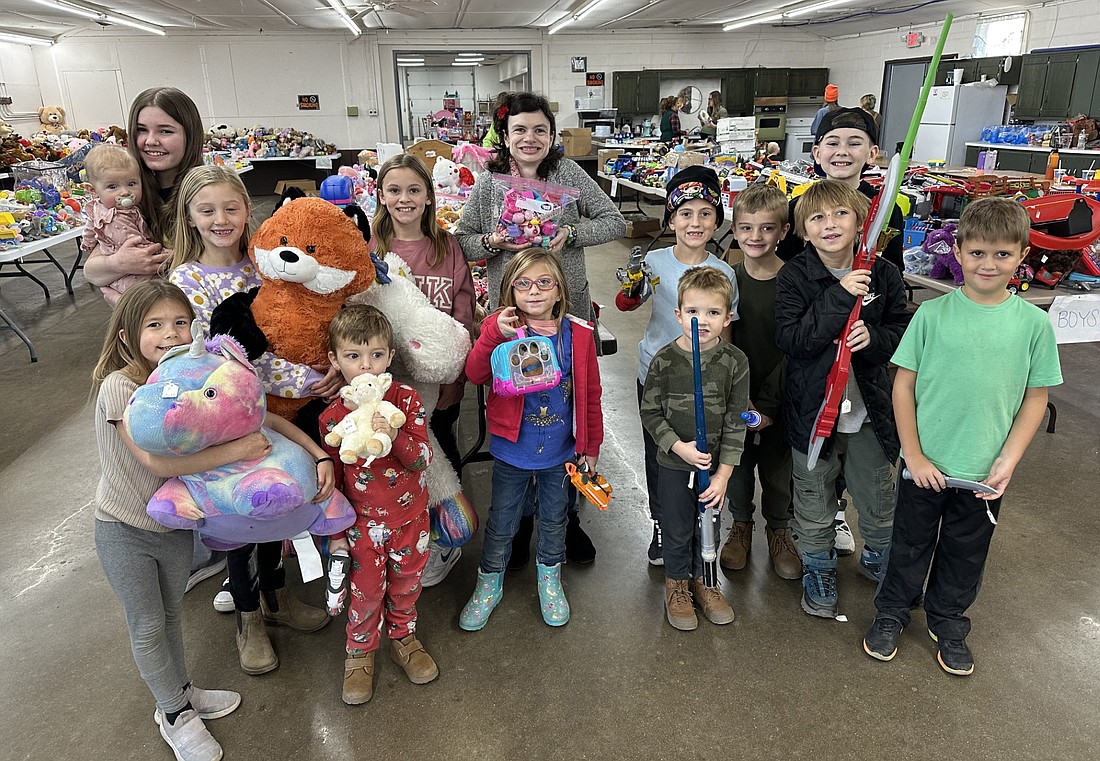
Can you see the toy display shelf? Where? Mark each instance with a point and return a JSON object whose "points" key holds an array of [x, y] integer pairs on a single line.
{"points": [[332, 156], [17, 256], [617, 182]]}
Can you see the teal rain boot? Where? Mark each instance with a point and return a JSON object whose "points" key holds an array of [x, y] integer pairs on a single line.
{"points": [[487, 593], [555, 608]]}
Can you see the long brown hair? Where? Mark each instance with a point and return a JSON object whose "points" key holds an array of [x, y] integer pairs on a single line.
{"points": [[382, 224], [158, 216], [127, 319]]}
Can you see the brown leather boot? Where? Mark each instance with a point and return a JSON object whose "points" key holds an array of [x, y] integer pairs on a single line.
{"points": [[678, 607], [253, 646], [735, 552], [712, 603], [410, 655], [785, 560], [358, 678], [288, 610]]}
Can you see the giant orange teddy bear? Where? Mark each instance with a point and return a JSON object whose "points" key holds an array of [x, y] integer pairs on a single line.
{"points": [[312, 258]]}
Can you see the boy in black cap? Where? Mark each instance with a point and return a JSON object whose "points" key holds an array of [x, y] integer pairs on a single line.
{"points": [[845, 143], [693, 210]]}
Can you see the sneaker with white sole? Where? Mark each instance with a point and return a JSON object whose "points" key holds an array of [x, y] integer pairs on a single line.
{"points": [[208, 704], [217, 565], [440, 562], [656, 551], [845, 542], [223, 600], [188, 737]]}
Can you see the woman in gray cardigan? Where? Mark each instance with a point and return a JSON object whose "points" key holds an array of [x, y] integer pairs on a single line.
{"points": [[527, 128]]}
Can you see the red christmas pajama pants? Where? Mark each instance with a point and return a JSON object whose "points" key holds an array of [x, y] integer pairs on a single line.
{"points": [[386, 566]]}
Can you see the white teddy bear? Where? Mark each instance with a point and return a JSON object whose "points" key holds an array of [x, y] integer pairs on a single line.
{"points": [[355, 434], [445, 176]]}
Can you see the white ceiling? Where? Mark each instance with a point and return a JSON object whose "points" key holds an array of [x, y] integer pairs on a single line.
{"points": [[316, 15]]}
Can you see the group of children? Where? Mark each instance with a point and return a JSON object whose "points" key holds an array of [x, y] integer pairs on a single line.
{"points": [[767, 334]]}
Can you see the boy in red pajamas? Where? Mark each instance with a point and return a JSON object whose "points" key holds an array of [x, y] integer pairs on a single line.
{"points": [[389, 541]]}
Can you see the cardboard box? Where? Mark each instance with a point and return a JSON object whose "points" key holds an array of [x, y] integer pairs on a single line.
{"points": [[309, 187], [607, 153], [678, 160], [577, 141], [641, 225]]}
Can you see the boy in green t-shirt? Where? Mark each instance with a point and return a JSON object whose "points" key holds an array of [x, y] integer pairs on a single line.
{"points": [[971, 390]]}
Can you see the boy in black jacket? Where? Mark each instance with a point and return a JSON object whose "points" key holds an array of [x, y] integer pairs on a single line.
{"points": [[815, 294]]}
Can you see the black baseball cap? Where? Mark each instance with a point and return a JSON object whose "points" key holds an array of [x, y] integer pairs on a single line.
{"points": [[852, 118], [693, 182]]}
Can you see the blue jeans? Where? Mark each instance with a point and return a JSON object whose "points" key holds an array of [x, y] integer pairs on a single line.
{"points": [[510, 486]]}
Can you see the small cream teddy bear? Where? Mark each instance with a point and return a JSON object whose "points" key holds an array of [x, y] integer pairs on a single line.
{"points": [[445, 175], [355, 434]]}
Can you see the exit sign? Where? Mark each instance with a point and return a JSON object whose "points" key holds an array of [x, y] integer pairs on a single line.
{"points": [[914, 39]]}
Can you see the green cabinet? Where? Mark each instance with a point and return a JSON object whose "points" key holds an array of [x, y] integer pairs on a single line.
{"points": [[649, 92], [807, 83], [771, 83], [1059, 85], [1033, 78], [1082, 99], [1014, 161], [624, 91], [737, 90]]}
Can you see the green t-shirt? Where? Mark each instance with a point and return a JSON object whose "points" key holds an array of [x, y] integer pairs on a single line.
{"points": [[973, 364]]}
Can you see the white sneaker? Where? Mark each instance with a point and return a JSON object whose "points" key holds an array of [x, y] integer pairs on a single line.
{"points": [[440, 562], [845, 542], [208, 704], [223, 600], [188, 738]]}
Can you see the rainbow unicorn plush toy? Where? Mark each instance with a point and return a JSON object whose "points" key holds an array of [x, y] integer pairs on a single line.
{"points": [[206, 394]]}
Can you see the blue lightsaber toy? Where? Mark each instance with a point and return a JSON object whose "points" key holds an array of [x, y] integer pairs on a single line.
{"points": [[702, 477]]}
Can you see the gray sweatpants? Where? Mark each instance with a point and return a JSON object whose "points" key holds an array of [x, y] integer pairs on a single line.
{"points": [[148, 572]]}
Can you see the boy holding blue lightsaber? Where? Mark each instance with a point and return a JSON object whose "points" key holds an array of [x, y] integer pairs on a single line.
{"points": [[668, 414]]}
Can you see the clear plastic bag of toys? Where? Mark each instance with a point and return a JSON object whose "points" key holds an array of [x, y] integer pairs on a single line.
{"points": [[448, 210], [531, 209]]}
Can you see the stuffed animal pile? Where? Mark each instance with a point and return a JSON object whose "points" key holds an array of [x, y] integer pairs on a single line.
{"points": [[265, 142], [206, 394]]}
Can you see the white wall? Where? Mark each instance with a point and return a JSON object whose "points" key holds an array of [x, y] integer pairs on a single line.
{"points": [[250, 79], [856, 63], [18, 73]]}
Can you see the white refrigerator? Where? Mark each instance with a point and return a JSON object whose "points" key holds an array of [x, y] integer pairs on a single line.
{"points": [[955, 116]]}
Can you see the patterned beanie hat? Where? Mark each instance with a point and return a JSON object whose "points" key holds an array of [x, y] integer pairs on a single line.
{"points": [[690, 183]]}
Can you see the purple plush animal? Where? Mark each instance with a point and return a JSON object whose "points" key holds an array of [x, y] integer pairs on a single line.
{"points": [[941, 243]]}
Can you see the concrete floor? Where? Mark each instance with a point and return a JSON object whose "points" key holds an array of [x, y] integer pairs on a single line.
{"points": [[618, 682]]}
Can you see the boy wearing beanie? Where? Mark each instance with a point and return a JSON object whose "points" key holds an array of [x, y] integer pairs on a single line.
{"points": [[693, 210]]}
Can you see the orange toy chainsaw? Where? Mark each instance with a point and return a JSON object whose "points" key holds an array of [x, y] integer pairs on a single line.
{"points": [[591, 484]]}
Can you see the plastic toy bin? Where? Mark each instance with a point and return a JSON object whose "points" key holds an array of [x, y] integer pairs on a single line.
{"points": [[48, 172]]}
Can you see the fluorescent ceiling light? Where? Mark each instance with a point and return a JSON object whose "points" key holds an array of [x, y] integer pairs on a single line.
{"points": [[409, 59], [98, 15], [575, 16], [814, 7], [482, 58], [410, 63], [467, 62], [337, 6], [470, 55], [751, 21], [24, 39]]}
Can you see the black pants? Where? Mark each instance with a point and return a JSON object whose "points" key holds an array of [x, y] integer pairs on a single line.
{"points": [[442, 424], [681, 540], [246, 583], [650, 447], [949, 531]]}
